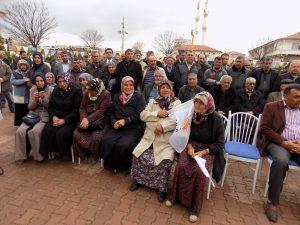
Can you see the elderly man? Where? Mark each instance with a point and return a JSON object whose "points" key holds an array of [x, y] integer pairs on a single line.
{"points": [[151, 90], [238, 73], [203, 63], [278, 95], [212, 76], [64, 65], [96, 67], [293, 74], [187, 92], [265, 77], [148, 74], [280, 128], [22, 55], [170, 68], [224, 96], [248, 99], [151, 53]]}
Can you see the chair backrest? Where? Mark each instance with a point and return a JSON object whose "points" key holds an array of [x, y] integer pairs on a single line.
{"points": [[226, 122], [243, 128]]}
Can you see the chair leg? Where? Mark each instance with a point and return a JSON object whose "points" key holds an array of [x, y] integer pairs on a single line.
{"points": [[225, 169], [79, 160], [72, 154], [260, 168], [209, 185], [256, 175], [101, 163], [267, 182]]}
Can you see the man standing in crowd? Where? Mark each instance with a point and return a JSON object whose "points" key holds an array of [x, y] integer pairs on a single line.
{"points": [[203, 63], [169, 68], [280, 128], [181, 58], [278, 95], [151, 53], [76, 70], [265, 77], [22, 55], [249, 100], [212, 76], [96, 67], [138, 58], [293, 74], [6, 88], [63, 66], [148, 74], [238, 73], [225, 61], [224, 96], [57, 59], [187, 92], [108, 57]]}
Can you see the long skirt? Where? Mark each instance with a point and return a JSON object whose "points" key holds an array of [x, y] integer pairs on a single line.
{"points": [[21, 110], [189, 182], [88, 142], [117, 147], [145, 172], [33, 134], [57, 139]]}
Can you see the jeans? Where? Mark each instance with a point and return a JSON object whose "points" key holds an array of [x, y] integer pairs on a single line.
{"points": [[281, 158], [6, 95]]}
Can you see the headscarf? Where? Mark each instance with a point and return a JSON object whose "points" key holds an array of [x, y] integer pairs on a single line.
{"points": [[36, 66], [86, 76], [123, 97], [165, 102], [53, 77], [95, 85], [39, 74], [208, 101], [22, 61], [68, 78]]}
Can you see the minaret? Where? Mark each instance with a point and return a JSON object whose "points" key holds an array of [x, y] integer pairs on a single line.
{"points": [[195, 32], [204, 27], [122, 32]]}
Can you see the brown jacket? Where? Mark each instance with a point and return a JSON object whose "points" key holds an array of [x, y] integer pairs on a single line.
{"points": [[5, 73], [272, 125]]}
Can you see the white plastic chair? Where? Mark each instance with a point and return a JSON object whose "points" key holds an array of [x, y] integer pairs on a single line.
{"points": [[292, 166], [226, 125], [79, 160], [243, 128]]}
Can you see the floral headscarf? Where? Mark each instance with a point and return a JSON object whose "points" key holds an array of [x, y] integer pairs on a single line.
{"points": [[95, 85], [123, 97], [207, 99], [68, 78], [165, 102]]}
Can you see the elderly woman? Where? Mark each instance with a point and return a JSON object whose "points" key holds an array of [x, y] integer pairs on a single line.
{"points": [[84, 78], [50, 79], [38, 104], [206, 141], [153, 156], [93, 120], [21, 86], [127, 128], [63, 111], [151, 91]]}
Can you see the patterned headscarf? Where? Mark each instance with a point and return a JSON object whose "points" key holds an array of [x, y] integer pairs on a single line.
{"points": [[95, 85], [164, 102], [123, 97], [68, 78], [208, 101]]}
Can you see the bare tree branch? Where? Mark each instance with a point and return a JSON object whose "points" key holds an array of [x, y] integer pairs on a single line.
{"points": [[29, 22], [259, 50], [138, 45], [167, 42], [92, 38]]}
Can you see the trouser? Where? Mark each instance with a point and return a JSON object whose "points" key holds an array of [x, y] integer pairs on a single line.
{"points": [[6, 95], [281, 158]]}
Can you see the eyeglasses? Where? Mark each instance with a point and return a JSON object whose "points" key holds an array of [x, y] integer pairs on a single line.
{"points": [[251, 83]]}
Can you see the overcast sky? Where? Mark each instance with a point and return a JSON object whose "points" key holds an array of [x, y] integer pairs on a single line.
{"points": [[232, 24]]}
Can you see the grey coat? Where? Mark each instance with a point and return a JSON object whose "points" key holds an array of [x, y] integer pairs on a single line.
{"points": [[274, 96], [5, 74]]}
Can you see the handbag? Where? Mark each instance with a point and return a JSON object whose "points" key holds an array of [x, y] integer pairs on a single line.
{"points": [[97, 124], [31, 119]]}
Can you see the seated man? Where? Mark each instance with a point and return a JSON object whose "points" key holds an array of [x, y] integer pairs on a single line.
{"points": [[280, 128], [192, 88], [250, 100], [278, 95], [224, 96]]}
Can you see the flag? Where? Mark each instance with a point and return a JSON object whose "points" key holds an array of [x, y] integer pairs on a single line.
{"points": [[183, 115]]}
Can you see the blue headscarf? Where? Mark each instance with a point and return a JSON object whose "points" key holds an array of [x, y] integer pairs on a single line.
{"points": [[39, 74], [36, 66]]}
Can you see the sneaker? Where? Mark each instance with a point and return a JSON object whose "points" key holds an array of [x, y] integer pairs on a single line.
{"points": [[169, 203], [193, 217]]}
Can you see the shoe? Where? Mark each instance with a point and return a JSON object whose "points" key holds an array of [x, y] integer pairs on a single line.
{"points": [[169, 203], [271, 212], [134, 186], [161, 196], [193, 217]]}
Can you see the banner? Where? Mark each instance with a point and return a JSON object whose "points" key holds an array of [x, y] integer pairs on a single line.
{"points": [[183, 115]]}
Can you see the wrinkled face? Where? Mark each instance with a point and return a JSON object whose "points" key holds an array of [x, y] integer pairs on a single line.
{"points": [[169, 62], [190, 57], [292, 98], [158, 77], [23, 67], [238, 63], [109, 54], [199, 107], [111, 68], [40, 83], [165, 90], [138, 57], [95, 58], [92, 93], [225, 84], [128, 87], [65, 57], [83, 82], [294, 68], [37, 59], [266, 65], [129, 55], [49, 79], [247, 64], [76, 65], [62, 83], [218, 64], [225, 60], [151, 62], [250, 85], [192, 80], [58, 57], [201, 58]]}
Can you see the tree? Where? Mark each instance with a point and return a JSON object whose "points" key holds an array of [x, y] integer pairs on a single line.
{"points": [[1, 43], [29, 22], [92, 38], [138, 45], [167, 42], [260, 49]]}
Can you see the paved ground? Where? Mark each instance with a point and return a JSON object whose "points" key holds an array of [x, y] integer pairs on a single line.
{"points": [[63, 193]]}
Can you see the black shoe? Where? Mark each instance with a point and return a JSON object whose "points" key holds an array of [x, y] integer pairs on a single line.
{"points": [[271, 213], [134, 186], [161, 196]]}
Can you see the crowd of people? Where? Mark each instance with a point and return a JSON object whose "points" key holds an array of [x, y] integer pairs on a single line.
{"points": [[118, 110]]}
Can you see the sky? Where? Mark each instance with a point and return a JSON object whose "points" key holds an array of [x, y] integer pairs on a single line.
{"points": [[233, 25]]}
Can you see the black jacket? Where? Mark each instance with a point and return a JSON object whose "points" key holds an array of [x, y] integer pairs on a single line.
{"points": [[170, 74], [184, 93], [255, 103], [96, 72], [132, 68], [284, 76]]}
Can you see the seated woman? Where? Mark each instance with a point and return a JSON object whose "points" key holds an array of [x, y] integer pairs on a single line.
{"points": [[38, 104], [63, 111], [127, 128], [153, 156], [207, 141], [50, 79], [93, 121]]}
